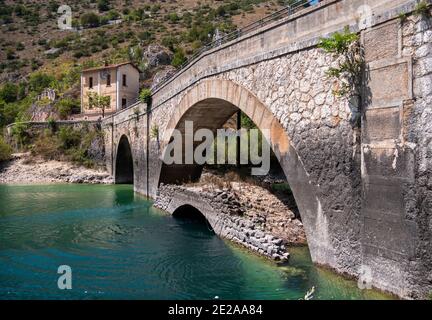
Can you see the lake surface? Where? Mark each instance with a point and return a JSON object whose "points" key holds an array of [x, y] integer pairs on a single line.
{"points": [[119, 247]]}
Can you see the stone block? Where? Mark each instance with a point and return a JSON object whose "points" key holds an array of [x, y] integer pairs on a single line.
{"points": [[382, 42], [389, 84], [382, 124], [383, 197], [390, 163], [389, 239]]}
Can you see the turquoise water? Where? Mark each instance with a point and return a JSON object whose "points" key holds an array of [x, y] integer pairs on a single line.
{"points": [[119, 247]]}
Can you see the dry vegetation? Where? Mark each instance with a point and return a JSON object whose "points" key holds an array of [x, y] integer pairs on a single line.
{"points": [[30, 39]]}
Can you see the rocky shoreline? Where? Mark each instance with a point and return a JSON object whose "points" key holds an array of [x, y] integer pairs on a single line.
{"points": [[25, 169]]}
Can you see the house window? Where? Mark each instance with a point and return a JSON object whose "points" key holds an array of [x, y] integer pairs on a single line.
{"points": [[90, 82], [124, 102], [108, 79], [124, 80]]}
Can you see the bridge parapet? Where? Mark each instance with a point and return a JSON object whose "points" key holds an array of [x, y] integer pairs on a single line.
{"points": [[291, 34]]}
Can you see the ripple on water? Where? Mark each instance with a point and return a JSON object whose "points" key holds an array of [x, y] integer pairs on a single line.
{"points": [[119, 247]]}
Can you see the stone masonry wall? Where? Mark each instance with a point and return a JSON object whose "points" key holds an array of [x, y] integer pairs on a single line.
{"points": [[397, 127], [224, 215]]}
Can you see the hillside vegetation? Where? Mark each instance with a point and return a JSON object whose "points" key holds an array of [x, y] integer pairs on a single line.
{"points": [[35, 54]]}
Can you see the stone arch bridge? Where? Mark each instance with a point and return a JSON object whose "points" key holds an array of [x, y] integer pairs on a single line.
{"points": [[364, 192]]}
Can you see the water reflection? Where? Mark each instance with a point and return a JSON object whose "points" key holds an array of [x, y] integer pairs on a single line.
{"points": [[120, 247]]}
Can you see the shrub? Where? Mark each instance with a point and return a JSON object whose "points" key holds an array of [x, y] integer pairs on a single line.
{"points": [[283, 187], [173, 17], [10, 54], [19, 132], [112, 15], [90, 20], [5, 150], [145, 35], [145, 96], [345, 45], [52, 125], [169, 42], [155, 8], [9, 92], [66, 107], [69, 137], [103, 5], [47, 146], [178, 58], [154, 132], [20, 46], [39, 81], [78, 155]]}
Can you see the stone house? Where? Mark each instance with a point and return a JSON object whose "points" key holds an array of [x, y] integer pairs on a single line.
{"points": [[120, 82]]}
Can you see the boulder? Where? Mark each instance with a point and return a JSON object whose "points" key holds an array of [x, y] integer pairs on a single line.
{"points": [[156, 56]]}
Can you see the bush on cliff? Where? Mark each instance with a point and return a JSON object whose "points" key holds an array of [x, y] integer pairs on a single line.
{"points": [[69, 137], [84, 147], [5, 150], [47, 145], [21, 135], [66, 107], [179, 58]]}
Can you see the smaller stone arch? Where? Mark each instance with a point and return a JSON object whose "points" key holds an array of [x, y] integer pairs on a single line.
{"points": [[124, 167], [188, 211]]}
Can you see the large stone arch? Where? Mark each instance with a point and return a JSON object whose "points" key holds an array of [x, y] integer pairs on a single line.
{"points": [[211, 103], [124, 164]]}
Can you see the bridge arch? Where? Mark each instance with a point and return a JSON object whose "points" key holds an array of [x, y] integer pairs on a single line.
{"points": [[124, 164], [209, 104], [188, 211]]}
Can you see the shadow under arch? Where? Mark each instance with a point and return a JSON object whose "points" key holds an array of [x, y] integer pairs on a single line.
{"points": [[124, 171], [191, 214], [209, 104]]}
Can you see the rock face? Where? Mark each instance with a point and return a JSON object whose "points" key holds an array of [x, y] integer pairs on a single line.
{"points": [[23, 169], [162, 75], [232, 217], [43, 112], [156, 56]]}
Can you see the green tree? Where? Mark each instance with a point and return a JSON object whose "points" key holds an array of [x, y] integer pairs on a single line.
{"points": [[97, 101], [39, 81], [66, 107], [9, 92]]}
